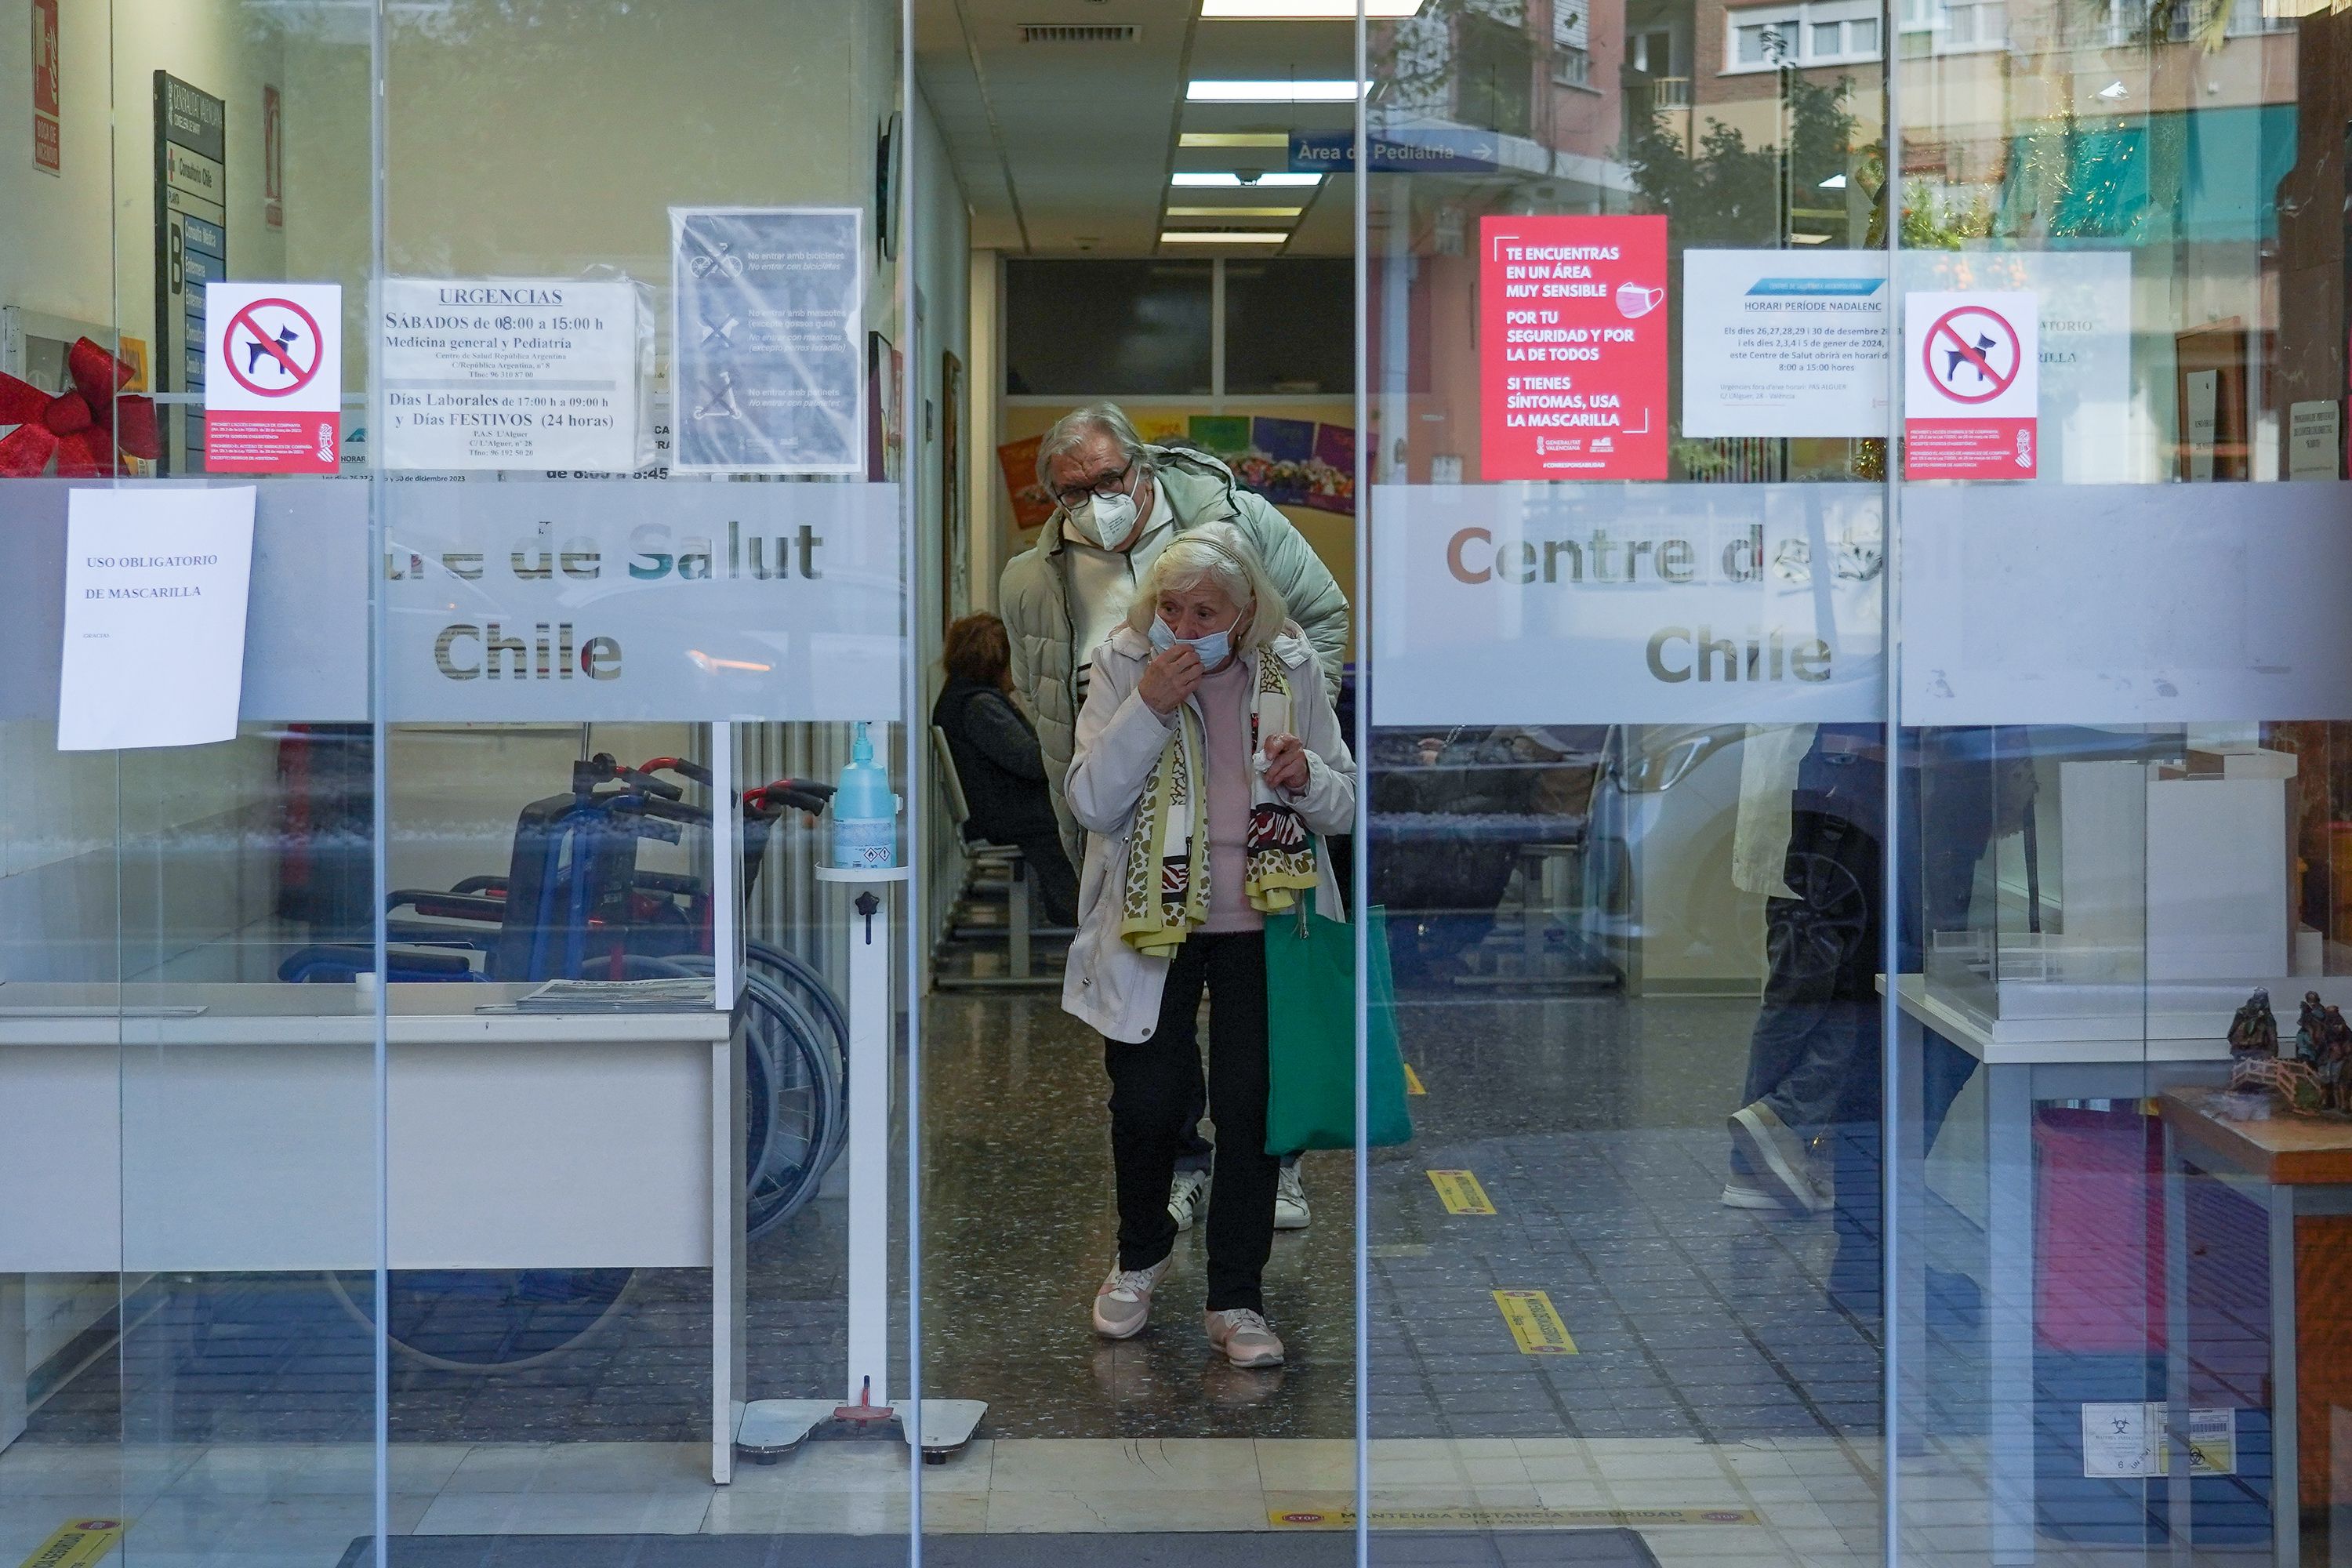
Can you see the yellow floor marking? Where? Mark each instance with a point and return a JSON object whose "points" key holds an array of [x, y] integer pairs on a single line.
{"points": [[1533, 1322], [1413, 1081], [76, 1544], [1342, 1516], [1460, 1193]]}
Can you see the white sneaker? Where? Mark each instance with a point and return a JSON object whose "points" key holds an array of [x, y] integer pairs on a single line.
{"points": [[1742, 1194], [1123, 1305], [1188, 1198], [1245, 1337], [1290, 1211], [1783, 1166]]}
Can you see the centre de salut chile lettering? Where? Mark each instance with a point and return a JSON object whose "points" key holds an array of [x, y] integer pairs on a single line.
{"points": [[561, 650]]}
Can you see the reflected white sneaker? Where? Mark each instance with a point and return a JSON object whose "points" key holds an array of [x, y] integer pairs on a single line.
{"points": [[1783, 1165], [1123, 1305], [1188, 1196], [1290, 1211], [1745, 1193], [1245, 1337]]}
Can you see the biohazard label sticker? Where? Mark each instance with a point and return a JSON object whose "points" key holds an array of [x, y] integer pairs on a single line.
{"points": [[1971, 401], [273, 377]]}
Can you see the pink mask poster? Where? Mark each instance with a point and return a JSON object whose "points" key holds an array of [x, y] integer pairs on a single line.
{"points": [[1572, 348]]}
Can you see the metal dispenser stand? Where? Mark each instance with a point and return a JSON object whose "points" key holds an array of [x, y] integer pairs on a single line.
{"points": [[770, 1429]]}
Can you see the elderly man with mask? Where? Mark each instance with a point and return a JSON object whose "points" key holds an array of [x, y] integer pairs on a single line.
{"points": [[1118, 502]]}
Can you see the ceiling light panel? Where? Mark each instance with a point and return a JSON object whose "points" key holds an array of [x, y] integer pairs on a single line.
{"points": [[1230, 212], [1233, 139], [1221, 236], [1246, 90], [1305, 10], [1225, 180]]}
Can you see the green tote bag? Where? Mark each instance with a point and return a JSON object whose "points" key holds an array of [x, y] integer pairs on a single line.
{"points": [[1310, 1004]]}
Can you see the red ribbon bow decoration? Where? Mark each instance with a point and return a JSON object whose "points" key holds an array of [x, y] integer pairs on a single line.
{"points": [[84, 428]]}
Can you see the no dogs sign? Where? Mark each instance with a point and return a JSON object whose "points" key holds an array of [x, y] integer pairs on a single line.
{"points": [[273, 377], [1971, 400]]}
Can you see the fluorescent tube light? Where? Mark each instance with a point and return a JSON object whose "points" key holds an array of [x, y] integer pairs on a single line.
{"points": [[1315, 90], [1221, 236], [1233, 139], [1225, 180], [1234, 212], [1305, 10]]}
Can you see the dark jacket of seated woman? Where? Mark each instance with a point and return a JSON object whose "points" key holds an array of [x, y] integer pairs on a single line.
{"points": [[998, 761]]}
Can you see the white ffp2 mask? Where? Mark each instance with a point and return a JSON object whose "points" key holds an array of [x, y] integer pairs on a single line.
{"points": [[1106, 520]]}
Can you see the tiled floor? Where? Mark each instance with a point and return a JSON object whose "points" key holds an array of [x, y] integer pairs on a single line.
{"points": [[1777, 1501], [1713, 1374]]}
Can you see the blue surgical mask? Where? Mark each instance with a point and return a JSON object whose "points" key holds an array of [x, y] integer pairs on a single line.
{"points": [[1212, 649]]}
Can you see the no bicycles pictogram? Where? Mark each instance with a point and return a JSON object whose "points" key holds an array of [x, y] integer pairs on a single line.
{"points": [[272, 348], [1972, 354]]}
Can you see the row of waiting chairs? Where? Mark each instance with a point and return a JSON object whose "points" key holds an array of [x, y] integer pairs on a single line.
{"points": [[991, 870]]}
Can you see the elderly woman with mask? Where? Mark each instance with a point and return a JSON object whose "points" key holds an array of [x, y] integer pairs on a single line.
{"points": [[1206, 755]]}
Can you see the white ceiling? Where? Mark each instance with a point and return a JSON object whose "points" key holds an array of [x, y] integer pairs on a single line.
{"points": [[1064, 149]]}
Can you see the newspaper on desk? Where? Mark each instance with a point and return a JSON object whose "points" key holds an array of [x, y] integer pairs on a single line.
{"points": [[668, 995]]}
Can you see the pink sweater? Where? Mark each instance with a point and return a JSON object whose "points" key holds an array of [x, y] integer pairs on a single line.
{"points": [[1224, 699]]}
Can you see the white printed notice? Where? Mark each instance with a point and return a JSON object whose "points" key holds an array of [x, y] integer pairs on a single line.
{"points": [[156, 581], [509, 373], [1784, 342]]}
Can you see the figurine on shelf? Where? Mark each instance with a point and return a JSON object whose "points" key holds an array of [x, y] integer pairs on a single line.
{"points": [[2297, 1086], [2254, 1031], [2334, 1065], [2310, 1029]]}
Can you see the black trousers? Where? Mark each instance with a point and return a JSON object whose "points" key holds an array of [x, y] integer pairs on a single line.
{"points": [[1151, 1083]]}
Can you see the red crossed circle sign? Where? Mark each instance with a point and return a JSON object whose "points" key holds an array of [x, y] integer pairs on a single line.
{"points": [[278, 357], [1957, 345]]}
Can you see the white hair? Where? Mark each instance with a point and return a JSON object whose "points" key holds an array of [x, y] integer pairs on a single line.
{"points": [[1214, 553], [1072, 429]]}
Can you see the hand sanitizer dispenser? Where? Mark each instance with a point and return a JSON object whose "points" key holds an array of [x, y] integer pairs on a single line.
{"points": [[865, 812]]}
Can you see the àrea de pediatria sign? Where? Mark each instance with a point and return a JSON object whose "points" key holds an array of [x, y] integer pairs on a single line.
{"points": [[1572, 348]]}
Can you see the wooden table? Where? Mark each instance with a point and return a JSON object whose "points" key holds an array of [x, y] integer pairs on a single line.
{"points": [[2298, 1170]]}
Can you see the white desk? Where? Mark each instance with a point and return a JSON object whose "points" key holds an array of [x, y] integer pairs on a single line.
{"points": [[2108, 1057], [243, 1138]]}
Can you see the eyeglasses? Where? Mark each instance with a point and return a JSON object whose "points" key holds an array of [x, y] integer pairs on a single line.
{"points": [[1109, 484]]}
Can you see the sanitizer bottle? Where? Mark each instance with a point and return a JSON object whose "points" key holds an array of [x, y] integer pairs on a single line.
{"points": [[865, 812]]}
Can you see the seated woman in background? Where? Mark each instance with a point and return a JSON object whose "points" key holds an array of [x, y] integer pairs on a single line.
{"points": [[996, 756]]}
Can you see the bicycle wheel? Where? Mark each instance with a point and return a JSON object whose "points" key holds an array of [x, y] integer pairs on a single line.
{"points": [[489, 1320], [806, 1145], [804, 1099], [802, 980]]}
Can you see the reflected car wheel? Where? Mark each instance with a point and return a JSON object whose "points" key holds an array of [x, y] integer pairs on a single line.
{"points": [[1819, 936]]}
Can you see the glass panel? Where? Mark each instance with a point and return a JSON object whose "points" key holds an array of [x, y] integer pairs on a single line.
{"points": [[1628, 806], [2123, 1344], [632, 605], [1114, 328], [189, 1144], [1290, 325]]}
